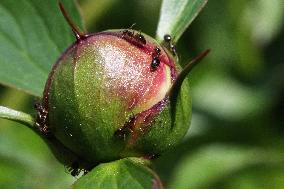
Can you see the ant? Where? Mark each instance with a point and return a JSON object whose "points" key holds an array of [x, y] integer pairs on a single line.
{"points": [[41, 119], [157, 51], [155, 61], [129, 35], [139, 37], [126, 129], [168, 40]]}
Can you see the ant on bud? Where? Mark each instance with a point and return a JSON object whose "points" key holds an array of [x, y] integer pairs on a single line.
{"points": [[127, 33], [140, 38], [157, 50], [171, 46], [41, 119], [135, 38], [155, 61]]}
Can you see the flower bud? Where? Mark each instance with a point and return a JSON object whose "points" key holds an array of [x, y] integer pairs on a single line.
{"points": [[115, 94], [106, 100]]}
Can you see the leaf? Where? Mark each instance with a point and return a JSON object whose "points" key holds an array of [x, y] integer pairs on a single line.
{"points": [[176, 16], [23, 154], [121, 174], [216, 163], [33, 34], [176, 87]]}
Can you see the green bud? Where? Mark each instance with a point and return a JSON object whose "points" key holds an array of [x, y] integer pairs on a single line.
{"points": [[116, 94], [105, 101]]}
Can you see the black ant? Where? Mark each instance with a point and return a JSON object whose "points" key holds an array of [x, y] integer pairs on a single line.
{"points": [[157, 51], [128, 33], [168, 40], [124, 131], [139, 37], [41, 119], [155, 61]]}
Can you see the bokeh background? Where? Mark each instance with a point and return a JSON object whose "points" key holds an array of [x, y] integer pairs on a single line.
{"points": [[236, 139]]}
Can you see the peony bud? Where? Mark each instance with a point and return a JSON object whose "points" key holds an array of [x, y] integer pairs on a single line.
{"points": [[106, 101], [116, 94]]}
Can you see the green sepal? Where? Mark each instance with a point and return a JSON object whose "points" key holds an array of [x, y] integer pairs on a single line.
{"points": [[121, 174]]}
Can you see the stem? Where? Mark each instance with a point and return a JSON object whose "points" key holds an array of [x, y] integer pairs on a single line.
{"points": [[20, 117], [78, 34], [62, 153]]}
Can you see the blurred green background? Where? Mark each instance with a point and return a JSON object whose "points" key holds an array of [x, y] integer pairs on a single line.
{"points": [[236, 139]]}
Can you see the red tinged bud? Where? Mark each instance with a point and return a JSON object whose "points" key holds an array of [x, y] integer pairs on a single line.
{"points": [[116, 94], [105, 101]]}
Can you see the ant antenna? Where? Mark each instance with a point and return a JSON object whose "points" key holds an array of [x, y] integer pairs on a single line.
{"points": [[132, 25]]}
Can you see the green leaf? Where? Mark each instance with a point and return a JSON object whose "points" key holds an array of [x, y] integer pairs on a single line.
{"points": [[33, 34], [176, 15], [126, 173], [24, 154], [217, 163]]}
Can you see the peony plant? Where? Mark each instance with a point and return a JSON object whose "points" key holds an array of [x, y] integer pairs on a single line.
{"points": [[114, 96]]}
